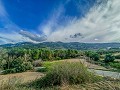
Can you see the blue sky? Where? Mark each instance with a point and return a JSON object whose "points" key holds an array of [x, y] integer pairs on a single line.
{"points": [[59, 20]]}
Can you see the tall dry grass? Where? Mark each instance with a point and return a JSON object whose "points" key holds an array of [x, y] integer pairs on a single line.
{"points": [[66, 73]]}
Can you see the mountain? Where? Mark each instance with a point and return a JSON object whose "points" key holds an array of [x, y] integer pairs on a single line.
{"points": [[62, 45]]}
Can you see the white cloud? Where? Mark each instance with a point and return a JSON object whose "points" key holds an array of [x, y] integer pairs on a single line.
{"points": [[13, 38], [52, 22], [9, 33], [102, 22]]}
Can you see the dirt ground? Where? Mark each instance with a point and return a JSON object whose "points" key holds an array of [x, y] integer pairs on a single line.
{"points": [[23, 77], [30, 76]]}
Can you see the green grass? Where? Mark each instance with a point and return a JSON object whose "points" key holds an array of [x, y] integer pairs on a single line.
{"points": [[49, 64]]}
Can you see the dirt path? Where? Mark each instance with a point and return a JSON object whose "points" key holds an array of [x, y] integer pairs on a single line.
{"points": [[92, 66]]}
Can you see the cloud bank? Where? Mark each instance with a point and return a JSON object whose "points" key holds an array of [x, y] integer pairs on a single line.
{"points": [[33, 37]]}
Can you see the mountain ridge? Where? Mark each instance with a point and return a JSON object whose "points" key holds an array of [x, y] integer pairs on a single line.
{"points": [[63, 45]]}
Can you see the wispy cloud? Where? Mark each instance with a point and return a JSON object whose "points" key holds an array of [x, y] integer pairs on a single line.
{"points": [[11, 33], [50, 25], [100, 24]]}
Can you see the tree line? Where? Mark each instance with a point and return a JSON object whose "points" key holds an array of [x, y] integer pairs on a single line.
{"points": [[20, 59]]}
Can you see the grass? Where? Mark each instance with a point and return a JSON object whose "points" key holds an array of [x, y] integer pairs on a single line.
{"points": [[25, 76], [66, 73], [61, 75], [15, 84], [49, 64]]}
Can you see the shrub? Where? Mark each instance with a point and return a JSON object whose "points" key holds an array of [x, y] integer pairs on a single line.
{"points": [[17, 65], [66, 72], [41, 69], [58, 58], [96, 57], [8, 71], [28, 65], [109, 58], [115, 65]]}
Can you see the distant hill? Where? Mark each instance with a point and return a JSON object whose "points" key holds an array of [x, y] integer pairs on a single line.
{"points": [[61, 45]]}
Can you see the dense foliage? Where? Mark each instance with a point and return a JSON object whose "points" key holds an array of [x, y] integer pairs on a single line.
{"points": [[109, 58], [16, 65], [92, 55], [19, 59], [13, 59]]}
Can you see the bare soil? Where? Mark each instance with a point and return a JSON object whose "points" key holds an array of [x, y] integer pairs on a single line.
{"points": [[24, 77]]}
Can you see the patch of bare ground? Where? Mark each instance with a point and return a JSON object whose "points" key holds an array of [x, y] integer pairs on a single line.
{"points": [[24, 77]]}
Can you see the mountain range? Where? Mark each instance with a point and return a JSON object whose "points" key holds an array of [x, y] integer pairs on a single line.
{"points": [[62, 45]]}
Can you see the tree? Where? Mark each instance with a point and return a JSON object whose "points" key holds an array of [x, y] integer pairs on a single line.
{"points": [[17, 65], [92, 55], [109, 58], [95, 56]]}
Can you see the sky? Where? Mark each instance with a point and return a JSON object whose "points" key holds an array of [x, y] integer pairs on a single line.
{"points": [[88, 21]]}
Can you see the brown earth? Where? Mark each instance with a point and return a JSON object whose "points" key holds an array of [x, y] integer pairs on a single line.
{"points": [[24, 77]]}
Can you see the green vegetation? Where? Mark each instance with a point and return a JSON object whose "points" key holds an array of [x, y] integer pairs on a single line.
{"points": [[93, 55], [16, 65], [19, 60], [58, 73], [115, 65], [109, 58], [104, 58], [66, 73], [69, 45]]}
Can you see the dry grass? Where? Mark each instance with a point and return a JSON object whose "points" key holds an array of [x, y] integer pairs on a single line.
{"points": [[103, 85], [14, 84], [25, 76], [87, 64], [13, 81]]}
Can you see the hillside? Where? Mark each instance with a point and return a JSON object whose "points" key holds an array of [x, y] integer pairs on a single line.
{"points": [[62, 45]]}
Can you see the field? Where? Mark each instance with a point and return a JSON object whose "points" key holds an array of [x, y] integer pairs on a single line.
{"points": [[27, 77]]}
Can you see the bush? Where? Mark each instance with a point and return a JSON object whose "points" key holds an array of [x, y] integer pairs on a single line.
{"points": [[8, 71], [109, 58], [66, 72], [115, 65], [96, 57], [58, 58], [17, 65], [28, 65], [41, 69]]}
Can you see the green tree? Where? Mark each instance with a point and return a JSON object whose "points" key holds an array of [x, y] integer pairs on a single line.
{"points": [[95, 56], [109, 58]]}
